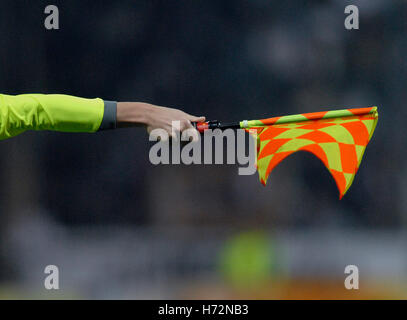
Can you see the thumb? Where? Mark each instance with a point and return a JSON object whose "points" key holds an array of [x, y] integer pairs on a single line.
{"points": [[196, 119]]}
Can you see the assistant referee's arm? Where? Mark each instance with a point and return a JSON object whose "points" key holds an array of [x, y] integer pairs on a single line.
{"points": [[55, 112], [58, 112]]}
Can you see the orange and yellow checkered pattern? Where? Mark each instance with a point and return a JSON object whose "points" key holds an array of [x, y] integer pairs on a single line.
{"points": [[338, 138]]}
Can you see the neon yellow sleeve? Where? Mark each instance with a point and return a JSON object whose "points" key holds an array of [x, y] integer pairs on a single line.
{"points": [[55, 112]]}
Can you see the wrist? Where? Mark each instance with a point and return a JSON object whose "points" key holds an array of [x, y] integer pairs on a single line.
{"points": [[133, 113]]}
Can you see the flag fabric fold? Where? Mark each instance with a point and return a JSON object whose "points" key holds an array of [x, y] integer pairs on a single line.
{"points": [[338, 138]]}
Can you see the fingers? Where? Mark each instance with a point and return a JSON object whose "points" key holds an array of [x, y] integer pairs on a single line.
{"points": [[185, 124], [190, 134], [185, 131], [175, 122], [195, 119]]}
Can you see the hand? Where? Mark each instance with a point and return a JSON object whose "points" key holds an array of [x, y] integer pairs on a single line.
{"points": [[154, 117]]}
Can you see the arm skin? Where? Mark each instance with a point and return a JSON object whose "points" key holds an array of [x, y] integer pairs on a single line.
{"points": [[153, 117], [65, 113]]}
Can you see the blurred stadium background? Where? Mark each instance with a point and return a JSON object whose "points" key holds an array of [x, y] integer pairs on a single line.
{"points": [[119, 227]]}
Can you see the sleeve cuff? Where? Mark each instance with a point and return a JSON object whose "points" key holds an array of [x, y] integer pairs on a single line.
{"points": [[109, 116]]}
